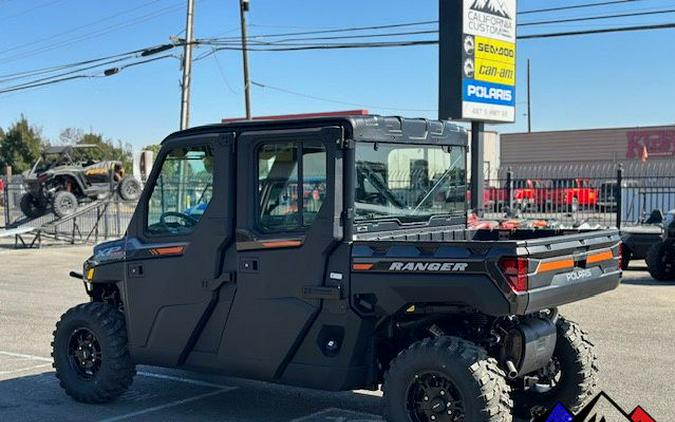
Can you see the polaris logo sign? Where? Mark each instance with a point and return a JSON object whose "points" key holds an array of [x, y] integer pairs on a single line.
{"points": [[420, 267], [478, 60]]}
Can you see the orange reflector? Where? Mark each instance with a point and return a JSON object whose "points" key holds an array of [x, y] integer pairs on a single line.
{"points": [[362, 267], [599, 257], [170, 250], [562, 264], [282, 244]]}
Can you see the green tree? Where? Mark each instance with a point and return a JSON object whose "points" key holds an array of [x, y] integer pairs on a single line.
{"points": [[20, 147], [107, 148]]}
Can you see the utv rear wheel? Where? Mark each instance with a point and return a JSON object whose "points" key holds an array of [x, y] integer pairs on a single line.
{"points": [[64, 203], [659, 265], [571, 377], [446, 379], [129, 188], [31, 206], [90, 353]]}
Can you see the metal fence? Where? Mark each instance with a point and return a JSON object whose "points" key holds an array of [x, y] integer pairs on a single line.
{"points": [[608, 201], [91, 222]]}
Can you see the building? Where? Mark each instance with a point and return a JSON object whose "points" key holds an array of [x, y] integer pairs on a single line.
{"points": [[643, 151]]}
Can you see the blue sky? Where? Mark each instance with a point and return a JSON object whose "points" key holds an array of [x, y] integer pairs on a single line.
{"points": [[623, 79]]}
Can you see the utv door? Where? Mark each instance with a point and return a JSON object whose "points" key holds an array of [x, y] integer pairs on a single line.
{"points": [[176, 280], [287, 226]]}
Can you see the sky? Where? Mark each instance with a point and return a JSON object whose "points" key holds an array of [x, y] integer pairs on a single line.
{"points": [[611, 80]]}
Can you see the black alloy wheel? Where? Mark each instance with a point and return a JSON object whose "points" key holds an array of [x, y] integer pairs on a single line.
{"points": [[433, 397]]}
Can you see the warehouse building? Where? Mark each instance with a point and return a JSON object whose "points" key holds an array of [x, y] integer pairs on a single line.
{"points": [[643, 151]]}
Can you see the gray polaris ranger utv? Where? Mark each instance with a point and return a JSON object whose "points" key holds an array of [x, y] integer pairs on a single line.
{"points": [[333, 253]]}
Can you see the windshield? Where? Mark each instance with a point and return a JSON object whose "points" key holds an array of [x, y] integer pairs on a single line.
{"points": [[409, 183]]}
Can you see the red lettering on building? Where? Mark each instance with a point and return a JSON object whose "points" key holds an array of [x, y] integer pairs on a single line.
{"points": [[659, 143]]}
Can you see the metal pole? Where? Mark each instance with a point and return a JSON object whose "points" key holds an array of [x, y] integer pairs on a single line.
{"points": [[477, 176], [243, 10], [187, 67], [529, 100], [619, 195]]}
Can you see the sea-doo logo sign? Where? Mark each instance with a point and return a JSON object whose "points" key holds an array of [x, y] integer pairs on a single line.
{"points": [[490, 18], [420, 267]]}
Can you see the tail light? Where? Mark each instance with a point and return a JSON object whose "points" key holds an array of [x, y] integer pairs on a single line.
{"points": [[515, 271], [621, 252]]}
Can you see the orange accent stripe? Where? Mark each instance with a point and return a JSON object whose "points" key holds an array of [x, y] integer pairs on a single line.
{"points": [[600, 257], [171, 250], [555, 265], [362, 267], [282, 244]]}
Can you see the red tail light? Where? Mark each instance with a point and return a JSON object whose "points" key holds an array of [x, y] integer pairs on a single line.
{"points": [[515, 270]]}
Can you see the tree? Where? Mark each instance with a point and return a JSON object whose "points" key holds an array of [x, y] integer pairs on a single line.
{"points": [[20, 147], [107, 148]]}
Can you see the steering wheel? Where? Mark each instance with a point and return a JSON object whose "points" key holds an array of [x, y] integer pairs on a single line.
{"points": [[190, 221]]}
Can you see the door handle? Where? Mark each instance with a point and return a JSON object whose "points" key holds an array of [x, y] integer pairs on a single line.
{"points": [[135, 271]]}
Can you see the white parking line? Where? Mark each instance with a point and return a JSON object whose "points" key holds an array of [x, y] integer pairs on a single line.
{"points": [[43, 365], [141, 373], [168, 405], [338, 419]]}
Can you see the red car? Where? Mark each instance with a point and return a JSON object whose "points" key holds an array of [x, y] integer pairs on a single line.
{"points": [[571, 194]]}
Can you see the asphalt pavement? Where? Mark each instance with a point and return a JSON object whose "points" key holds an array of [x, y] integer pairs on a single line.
{"points": [[632, 328]]}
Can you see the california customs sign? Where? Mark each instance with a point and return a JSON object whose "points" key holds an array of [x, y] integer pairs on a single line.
{"points": [[477, 60]]}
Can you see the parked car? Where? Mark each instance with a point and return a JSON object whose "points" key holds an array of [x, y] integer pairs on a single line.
{"points": [[608, 193], [64, 176], [571, 195]]}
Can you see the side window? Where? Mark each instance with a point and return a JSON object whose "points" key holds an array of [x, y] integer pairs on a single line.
{"points": [[182, 191], [291, 185]]}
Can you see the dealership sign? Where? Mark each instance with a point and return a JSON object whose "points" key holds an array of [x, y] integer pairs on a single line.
{"points": [[477, 77], [658, 142]]}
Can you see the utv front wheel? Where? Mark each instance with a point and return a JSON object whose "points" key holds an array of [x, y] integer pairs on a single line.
{"points": [[446, 379], [64, 203], [129, 188], [660, 267], [90, 353], [31, 206], [571, 376]]}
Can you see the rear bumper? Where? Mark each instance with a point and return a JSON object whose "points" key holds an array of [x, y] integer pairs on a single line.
{"points": [[557, 294]]}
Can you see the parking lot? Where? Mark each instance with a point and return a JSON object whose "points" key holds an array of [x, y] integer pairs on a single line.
{"points": [[632, 328]]}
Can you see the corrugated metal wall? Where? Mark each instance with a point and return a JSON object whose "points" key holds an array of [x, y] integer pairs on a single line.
{"points": [[587, 153]]}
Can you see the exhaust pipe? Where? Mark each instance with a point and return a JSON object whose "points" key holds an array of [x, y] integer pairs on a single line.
{"points": [[512, 372]]}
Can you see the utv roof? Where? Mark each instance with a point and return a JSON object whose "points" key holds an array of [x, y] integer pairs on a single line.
{"points": [[371, 128]]}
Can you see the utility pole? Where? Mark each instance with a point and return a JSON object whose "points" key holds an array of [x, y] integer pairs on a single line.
{"points": [[243, 10], [187, 66], [529, 100]]}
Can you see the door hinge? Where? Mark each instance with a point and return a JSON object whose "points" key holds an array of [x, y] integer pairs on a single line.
{"points": [[346, 143], [215, 283], [347, 214]]}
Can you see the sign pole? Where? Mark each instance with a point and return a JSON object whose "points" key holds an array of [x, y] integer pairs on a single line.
{"points": [[477, 170]]}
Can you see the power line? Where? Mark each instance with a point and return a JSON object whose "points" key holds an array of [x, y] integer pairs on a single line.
{"points": [[577, 6], [592, 18], [599, 31], [312, 97]]}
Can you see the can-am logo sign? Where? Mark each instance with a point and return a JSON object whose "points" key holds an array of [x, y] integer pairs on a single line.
{"points": [[490, 18]]}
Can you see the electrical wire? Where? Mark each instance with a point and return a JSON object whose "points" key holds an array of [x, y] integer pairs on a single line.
{"points": [[577, 6], [312, 97], [592, 18]]}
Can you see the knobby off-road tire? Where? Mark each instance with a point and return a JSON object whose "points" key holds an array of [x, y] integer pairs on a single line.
{"points": [[30, 206], [460, 377], [110, 372], [578, 376], [657, 264], [129, 188], [64, 203]]}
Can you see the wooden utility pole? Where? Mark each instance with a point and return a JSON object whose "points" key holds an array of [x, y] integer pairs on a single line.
{"points": [[243, 10], [187, 67]]}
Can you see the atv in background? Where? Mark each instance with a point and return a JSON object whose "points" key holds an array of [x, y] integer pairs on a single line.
{"points": [[64, 176], [661, 256]]}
